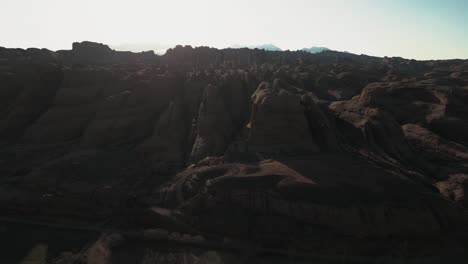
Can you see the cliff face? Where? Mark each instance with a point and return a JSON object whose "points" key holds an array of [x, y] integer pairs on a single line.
{"points": [[357, 145]]}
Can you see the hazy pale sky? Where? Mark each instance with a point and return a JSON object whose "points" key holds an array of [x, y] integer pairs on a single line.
{"points": [[420, 29]]}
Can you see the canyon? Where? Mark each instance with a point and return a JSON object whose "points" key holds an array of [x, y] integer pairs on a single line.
{"points": [[308, 156]]}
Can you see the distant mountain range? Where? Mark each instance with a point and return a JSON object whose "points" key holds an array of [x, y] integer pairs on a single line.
{"points": [[269, 47], [315, 49], [161, 48], [272, 47]]}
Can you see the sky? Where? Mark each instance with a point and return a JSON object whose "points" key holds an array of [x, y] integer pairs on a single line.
{"points": [[419, 29]]}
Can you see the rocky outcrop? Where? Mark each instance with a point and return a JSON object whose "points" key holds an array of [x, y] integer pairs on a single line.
{"points": [[446, 161], [74, 106], [320, 123], [278, 123], [443, 157], [371, 129], [272, 187], [436, 103], [30, 80], [214, 125], [275, 148], [455, 188], [400, 98], [87, 52], [165, 148]]}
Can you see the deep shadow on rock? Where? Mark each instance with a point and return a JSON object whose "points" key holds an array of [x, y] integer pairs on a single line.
{"points": [[272, 148]]}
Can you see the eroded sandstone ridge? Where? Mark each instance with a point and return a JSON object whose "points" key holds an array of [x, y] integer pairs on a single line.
{"points": [[269, 147]]}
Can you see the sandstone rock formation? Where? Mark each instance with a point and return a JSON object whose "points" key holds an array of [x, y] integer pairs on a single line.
{"points": [[278, 122], [318, 151], [214, 125]]}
